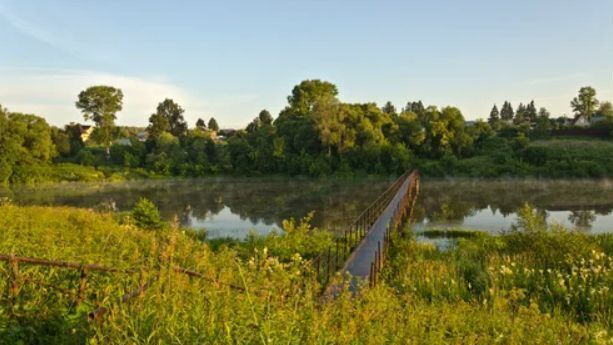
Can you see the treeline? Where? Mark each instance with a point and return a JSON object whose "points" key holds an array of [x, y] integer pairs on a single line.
{"points": [[315, 134]]}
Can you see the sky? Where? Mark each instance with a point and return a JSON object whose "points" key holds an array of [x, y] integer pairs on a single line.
{"points": [[231, 59]]}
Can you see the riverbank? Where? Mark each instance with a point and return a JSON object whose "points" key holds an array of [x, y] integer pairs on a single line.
{"points": [[540, 285], [555, 158]]}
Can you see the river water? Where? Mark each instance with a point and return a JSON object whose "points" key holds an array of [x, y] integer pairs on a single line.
{"points": [[232, 207]]}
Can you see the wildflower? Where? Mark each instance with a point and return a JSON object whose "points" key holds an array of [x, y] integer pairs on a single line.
{"points": [[561, 282]]}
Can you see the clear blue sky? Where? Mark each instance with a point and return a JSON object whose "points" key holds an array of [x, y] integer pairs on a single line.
{"points": [[231, 59]]}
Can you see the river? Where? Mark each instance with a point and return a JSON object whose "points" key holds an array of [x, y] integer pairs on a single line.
{"points": [[232, 207]]}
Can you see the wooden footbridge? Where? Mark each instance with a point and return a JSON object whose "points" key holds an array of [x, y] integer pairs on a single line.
{"points": [[362, 249]]}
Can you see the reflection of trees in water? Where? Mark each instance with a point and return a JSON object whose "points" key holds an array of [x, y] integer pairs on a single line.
{"points": [[456, 199], [269, 201], [336, 202], [582, 219]]}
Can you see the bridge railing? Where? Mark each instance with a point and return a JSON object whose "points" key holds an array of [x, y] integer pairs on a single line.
{"points": [[403, 213], [332, 259]]}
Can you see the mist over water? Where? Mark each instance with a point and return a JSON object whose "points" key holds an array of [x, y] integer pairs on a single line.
{"points": [[490, 205], [233, 207]]}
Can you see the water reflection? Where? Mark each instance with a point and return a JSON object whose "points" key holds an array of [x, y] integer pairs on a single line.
{"points": [[234, 206], [582, 219], [224, 206], [491, 205]]}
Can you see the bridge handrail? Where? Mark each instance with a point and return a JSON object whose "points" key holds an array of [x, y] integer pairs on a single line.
{"points": [[328, 261]]}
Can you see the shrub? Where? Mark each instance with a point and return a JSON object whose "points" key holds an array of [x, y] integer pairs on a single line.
{"points": [[146, 214]]}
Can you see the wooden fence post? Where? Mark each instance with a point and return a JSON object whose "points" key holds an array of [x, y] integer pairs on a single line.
{"points": [[82, 285], [328, 263], [13, 276]]}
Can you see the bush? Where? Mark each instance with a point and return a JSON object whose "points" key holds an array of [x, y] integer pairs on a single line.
{"points": [[146, 214]]}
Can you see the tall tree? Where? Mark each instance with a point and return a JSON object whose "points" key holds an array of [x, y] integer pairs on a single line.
{"points": [[606, 110], [531, 112], [200, 124], [9, 146], [520, 115], [494, 118], [308, 93], [544, 113], [416, 107], [506, 112], [328, 119], [265, 118], [168, 117], [389, 109], [253, 126], [101, 104], [585, 104], [213, 125]]}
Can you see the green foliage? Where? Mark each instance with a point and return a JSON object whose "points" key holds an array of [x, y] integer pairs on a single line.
{"points": [[146, 215], [494, 118], [297, 238], [556, 272], [585, 104], [213, 125], [507, 113], [101, 104], [167, 118], [317, 134], [530, 219], [25, 141]]}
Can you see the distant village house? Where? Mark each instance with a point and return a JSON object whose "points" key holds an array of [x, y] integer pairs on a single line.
{"points": [[84, 131]]}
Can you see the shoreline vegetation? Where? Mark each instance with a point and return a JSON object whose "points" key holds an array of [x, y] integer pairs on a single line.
{"points": [[316, 134], [539, 284]]}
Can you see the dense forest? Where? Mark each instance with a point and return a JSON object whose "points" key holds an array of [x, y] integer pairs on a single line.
{"points": [[315, 134]]}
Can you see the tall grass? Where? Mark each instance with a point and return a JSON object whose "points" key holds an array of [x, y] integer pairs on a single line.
{"points": [[428, 297]]}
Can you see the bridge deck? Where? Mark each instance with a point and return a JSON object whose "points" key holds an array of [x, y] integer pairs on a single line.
{"points": [[358, 263]]}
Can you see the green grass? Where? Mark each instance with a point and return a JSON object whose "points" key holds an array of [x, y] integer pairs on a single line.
{"points": [[428, 297], [449, 233]]}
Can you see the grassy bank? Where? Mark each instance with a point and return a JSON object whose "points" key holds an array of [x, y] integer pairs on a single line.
{"points": [[538, 285], [554, 158]]}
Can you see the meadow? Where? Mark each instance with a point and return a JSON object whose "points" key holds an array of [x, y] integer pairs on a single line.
{"points": [[539, 284]]}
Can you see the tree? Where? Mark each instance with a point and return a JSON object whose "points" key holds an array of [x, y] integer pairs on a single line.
{"points": [[328, 119], [201, 125], [389, 109], [543, 113], [412, 134], [100, 104], [168, 118], [531, 112], [146, 215], [506, 112], [416, 107], [585, 104], [542, 123], [253, 126], [265, 118], [158, 124], [606, 110], [494, 118], [9, 145], [25, 140], [213, 125], [61, 140], [444, 132], [520, 115], [296, 123], [306, 94]]}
